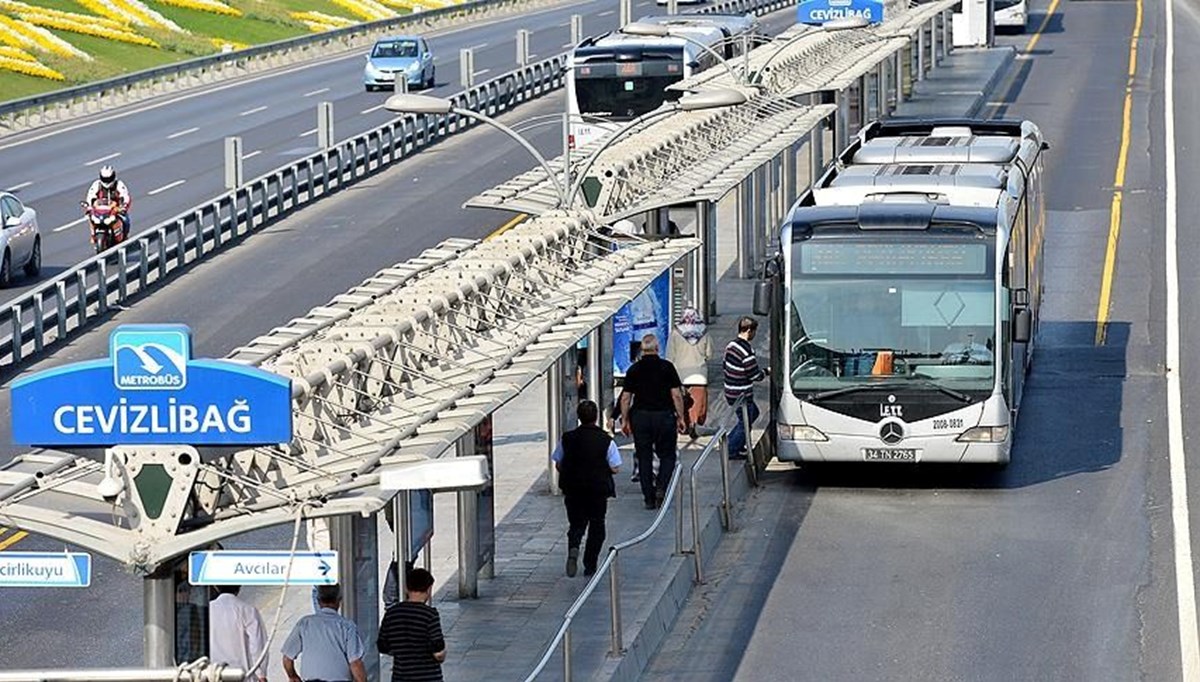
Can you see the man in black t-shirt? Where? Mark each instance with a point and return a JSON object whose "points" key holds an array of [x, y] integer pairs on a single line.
{"points": [[411, 633], [652, 411]]}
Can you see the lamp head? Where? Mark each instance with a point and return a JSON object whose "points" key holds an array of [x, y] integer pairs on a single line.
{"points": [[648, 30], [712, 99], [404, 103]]}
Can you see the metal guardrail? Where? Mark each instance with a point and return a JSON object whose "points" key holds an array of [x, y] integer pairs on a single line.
{"points": [[62, 105], [610, 565], [85, 293]]}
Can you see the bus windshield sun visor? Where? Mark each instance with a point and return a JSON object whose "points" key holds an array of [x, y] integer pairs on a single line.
{"points": [[892, 215]]}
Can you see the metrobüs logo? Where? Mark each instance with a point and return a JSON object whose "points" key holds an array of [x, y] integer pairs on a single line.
{"points": [[150, 359]]}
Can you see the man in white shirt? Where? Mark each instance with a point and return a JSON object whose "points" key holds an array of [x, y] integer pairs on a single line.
{"points": [[236, 634]]}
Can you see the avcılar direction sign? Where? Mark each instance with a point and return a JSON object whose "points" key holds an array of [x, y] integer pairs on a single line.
{"points": [[45, 569], [150, 391], [236, 567], [817, 12]]}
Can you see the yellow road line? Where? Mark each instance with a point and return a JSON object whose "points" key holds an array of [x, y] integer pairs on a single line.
{"points": [[1114, 213], [12, 539], [1033, 41], [520, 217], [1037, 35]]}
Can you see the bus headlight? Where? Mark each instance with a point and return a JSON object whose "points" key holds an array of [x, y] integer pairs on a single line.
{"points": [[984, 434], [801, 432]]}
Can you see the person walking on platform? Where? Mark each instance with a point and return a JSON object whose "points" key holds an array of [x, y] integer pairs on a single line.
{"points": [[652, 411], [411, 633], [741, 372], [586, 459], [332, 648], [236, 634], [689, 350]]}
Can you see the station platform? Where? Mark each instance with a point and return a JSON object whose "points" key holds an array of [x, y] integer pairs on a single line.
{"points": [[503, 634]]}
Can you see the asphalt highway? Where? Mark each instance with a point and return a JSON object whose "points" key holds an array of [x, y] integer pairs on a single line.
{"points": [[1064, 566], [241, 293], [170, 151]]}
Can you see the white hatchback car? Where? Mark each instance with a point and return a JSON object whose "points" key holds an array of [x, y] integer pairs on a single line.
{"points": [[20, 239]]}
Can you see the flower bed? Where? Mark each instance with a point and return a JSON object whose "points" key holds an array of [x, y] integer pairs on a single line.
{"points": [[27, 34], [91, 29], [20, 8], [220, 44], [326, 21], [131, 11], [211, 6], [29, 68], [367, 9], [16, 53], [417, 5]]}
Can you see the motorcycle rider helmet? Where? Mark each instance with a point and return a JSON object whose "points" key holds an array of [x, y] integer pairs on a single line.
{"points": [[108, 177]]}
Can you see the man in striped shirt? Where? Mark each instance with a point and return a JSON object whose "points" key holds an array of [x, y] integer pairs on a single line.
{"points": [[741, 371], [411, 633]]}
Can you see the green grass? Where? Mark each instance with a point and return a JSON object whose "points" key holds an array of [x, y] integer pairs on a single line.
{"points": [[263, 21]]}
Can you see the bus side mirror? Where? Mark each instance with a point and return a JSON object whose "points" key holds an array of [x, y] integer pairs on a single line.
{"points": [[762, 297], [1022, 325]]}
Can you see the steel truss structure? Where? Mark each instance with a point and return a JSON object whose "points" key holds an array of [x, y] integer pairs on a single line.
{"points": [[395, 370]]}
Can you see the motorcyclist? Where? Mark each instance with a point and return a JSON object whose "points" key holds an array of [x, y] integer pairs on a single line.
{"points": [[107, 186]]}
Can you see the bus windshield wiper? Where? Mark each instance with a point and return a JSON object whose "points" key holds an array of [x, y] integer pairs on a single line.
{"points": [[924, 383]]}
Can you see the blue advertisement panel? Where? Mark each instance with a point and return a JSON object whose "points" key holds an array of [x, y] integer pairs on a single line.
{"points": [[150, 391], [649, 313], [420, 520], [817, 12]]}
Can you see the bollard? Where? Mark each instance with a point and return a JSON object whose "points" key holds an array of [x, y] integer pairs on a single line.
{"points": [[324, 125], [576, 29], [522, 47], [672, 6], [626, 15], [466, 67], [233, 162]]}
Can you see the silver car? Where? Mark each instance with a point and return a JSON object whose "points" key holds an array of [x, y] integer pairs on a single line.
{"points": [[20, 239], [391, 59]]}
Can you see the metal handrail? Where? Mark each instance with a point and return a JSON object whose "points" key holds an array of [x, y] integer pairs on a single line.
{"points": [[611, 563], [721, 436]]}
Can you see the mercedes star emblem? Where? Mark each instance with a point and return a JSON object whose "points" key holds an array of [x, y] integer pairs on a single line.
{"points": [[891, 433]]}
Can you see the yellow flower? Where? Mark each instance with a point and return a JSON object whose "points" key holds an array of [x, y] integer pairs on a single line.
{"points": [[30, 68], [20, 8], [367, 9], [16, 53], [412, 5], [327, 20], [131, 11], [220, 44], [62, 24], [213, 6], [28, 35]]}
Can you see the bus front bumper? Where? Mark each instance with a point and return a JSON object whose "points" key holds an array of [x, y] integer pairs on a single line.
{"points": [[869, 450]]}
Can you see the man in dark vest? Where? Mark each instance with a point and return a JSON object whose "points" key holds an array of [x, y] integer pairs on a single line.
{"points": [[586, 459]]}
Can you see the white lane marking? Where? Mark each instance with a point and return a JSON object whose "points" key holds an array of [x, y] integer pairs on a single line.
{"points": [[23, 185], [255, 110], [181, 133], [1185, 582], [609, 13], [566, 45], [307, 133], [71, 224], [252, 154], [532, 55], [166, 187], [316, 92], [372, 110], [102, 159], [481, 72], [480, 46]]}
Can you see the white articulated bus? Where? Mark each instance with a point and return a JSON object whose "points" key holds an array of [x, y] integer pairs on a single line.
{"points": [[614, 78], [906, 296]]}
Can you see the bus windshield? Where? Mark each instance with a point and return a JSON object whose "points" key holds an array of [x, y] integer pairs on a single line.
{"points": [[866, 313]]}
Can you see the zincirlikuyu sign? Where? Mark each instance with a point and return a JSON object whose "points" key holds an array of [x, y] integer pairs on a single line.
{"points": [[150, 391]]}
